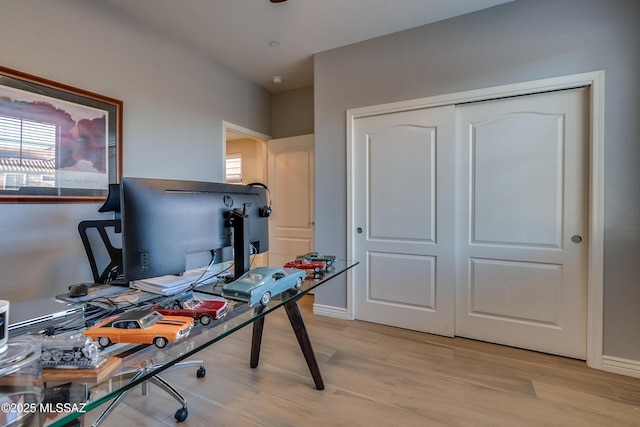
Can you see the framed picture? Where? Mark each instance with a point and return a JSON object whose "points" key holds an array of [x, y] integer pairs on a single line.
{"points": [[58, 144]]}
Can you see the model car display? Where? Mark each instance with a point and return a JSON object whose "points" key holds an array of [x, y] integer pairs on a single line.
{"points": [[140, 327], [305, 264], [75, 351], [194, 307], [260, 284], [315, 256]]}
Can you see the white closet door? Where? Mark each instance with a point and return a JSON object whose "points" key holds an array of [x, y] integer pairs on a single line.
{"points": [[522, 250], [403, 218]]}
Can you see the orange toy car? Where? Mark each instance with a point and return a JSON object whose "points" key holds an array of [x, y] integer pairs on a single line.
{"points": [[140, 327]]}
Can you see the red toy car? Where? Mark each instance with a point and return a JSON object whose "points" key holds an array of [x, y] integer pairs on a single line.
{"points": [[305, 264], [194, 307]]}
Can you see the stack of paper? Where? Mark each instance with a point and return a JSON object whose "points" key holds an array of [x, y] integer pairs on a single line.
{"points": [[170, 285]]}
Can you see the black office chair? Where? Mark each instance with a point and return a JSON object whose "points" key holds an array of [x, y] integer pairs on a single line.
{"points": [[102, 243]]}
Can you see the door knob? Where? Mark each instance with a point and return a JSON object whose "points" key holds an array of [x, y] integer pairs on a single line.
{"points": [[576, 239], [359, 230]]}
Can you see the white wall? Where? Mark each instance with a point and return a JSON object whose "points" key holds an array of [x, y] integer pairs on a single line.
{"points": [[520, 41], [174, 103]]}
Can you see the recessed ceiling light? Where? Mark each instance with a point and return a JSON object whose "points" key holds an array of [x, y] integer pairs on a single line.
{"points": [[276, 80], [274, 43]]}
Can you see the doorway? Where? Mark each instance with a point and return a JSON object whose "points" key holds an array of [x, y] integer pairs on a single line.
{"points": [[286, 166], [245, 160], [291, 178]]}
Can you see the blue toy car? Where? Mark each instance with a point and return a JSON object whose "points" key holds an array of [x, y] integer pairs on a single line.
{"points": [[260, 284]]}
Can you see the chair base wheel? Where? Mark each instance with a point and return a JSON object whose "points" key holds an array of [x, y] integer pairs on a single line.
{"points": [[201, 372], [181, 414]]}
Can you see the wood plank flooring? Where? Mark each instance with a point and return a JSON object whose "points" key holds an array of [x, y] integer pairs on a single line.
{"points": [[382, 376]]}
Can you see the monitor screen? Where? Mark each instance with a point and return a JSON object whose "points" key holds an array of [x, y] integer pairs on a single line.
{"points": [[170, 226]]}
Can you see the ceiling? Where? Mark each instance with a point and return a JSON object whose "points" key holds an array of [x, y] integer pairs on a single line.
{"points": [[239, 34]]}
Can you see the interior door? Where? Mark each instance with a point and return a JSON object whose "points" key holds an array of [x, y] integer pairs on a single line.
{"points": [[522, 251], [404, 219], [290, 178]]}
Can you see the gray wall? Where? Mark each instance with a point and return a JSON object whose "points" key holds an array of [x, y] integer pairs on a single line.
{"points": [[292, 112], [174, 103], [515, 42]]}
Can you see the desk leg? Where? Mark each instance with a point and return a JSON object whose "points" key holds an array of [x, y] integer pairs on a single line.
{"points": [[295, 318], [256, 339]]}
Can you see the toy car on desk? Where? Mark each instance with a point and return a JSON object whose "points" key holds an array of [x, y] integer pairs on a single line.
{"points": [[305, 264], [260, 284], [315, 256], [140, 327], [194, 307]]}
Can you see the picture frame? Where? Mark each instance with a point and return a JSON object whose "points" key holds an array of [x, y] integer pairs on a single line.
{"points": [[58, 143]]}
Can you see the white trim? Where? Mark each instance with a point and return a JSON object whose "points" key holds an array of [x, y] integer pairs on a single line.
{"points": [[350, 274], [621, 366], [595, 81], [525, 88], [330, 311], [227, 126], [595, 272]]}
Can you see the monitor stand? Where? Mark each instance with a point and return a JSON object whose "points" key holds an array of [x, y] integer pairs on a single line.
{"points": [[241, 243]]}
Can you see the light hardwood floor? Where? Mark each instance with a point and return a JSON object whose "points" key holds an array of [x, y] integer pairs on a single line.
{"points": [[382, 376]]}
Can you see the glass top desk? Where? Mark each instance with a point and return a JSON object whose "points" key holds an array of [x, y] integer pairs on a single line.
{"points": [[239, 316]]}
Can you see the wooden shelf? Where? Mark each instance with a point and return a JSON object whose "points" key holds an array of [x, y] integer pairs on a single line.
{"points": [[82, 375]]}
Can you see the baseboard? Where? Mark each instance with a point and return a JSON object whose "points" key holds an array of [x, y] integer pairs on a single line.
{"points": [[616, 365], [330, 311]]}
